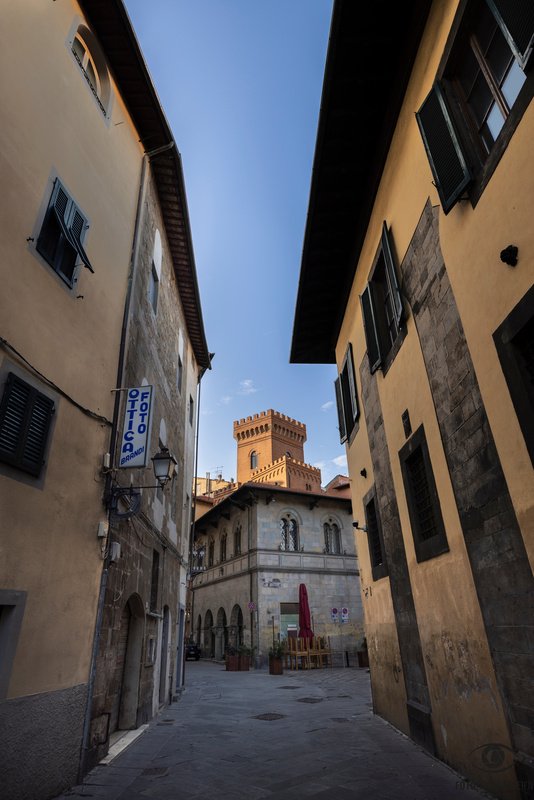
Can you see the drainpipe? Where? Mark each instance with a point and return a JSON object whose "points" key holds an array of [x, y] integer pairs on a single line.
{"points": [[112, 445]]}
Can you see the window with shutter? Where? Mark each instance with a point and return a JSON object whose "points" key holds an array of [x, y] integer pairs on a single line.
{"points": [[374, 538], [25, 416], [479, 96], [348, 409], [61, 235], [382, 307]]}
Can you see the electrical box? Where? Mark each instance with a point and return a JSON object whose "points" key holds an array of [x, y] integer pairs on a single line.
{"points": [[103, 529]]}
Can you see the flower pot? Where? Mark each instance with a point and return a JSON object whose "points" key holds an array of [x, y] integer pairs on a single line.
{"points": [[244, 663], [232, 663], [276, 665]]}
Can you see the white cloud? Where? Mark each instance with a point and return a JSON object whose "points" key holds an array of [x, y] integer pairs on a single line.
{"points": [[340, 461], [247, 386], [225, 399], [327, 406], [320, 464]]}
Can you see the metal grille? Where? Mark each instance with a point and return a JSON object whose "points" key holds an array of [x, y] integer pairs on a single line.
{"points": [[375, 547], [421, 496]]}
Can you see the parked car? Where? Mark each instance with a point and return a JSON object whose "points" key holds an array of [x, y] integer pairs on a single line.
{"points": [[192, 650]]}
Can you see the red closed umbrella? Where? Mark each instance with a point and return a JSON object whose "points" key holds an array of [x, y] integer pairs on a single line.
{"points": [[305, 629]]}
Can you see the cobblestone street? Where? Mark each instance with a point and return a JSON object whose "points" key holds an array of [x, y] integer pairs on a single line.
{"points": [[250, 735]]}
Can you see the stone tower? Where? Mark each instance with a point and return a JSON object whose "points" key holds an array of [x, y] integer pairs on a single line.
{"points": [[270, 449]]}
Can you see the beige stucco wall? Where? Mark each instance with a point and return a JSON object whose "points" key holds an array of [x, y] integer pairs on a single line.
{"points": [[49, 531]]}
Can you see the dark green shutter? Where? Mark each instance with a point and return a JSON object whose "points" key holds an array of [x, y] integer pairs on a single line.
{"points": [[25, 416], [371, 331], [355, 409], [340, 411], [76, 228], [443, 148], [391, 275], [516, 20]]}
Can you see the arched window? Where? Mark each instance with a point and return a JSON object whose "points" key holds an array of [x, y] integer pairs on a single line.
{"points": [[237, 541], [211, 553], [92, 63], [222, 549], [253, 460], [332, 538], [289, 534]]}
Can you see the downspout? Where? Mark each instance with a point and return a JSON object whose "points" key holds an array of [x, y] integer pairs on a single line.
{"points": [[112, 445]]}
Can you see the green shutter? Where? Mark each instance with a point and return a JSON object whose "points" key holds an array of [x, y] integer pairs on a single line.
{"points": [[516, 20], [391, 275], [340, 411], [77, 226], [371, 331], [25, 416], [355, 409], [443, 148]]}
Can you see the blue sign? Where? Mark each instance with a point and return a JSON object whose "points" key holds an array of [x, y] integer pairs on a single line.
{"points": [[136, 428]]}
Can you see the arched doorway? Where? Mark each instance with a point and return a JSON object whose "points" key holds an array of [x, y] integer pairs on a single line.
{"points": [[127, 666], [236, 626], [221, 635], [165, 651], [209, 635]]}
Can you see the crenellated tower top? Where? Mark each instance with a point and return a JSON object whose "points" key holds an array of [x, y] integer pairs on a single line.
{"points": [[265, 437]]}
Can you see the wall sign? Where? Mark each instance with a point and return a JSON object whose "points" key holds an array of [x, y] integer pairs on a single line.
{"points": [[136, 428]]}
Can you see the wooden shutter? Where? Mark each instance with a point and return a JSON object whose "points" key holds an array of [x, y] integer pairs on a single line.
{"points": [[25, 416], [391, 275], [340, 411], [371, 331], [443, 148], [77, 227], [351, 377], [516, 20]]}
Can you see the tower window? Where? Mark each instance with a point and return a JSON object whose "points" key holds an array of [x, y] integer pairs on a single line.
{"points": [[253, 460]]}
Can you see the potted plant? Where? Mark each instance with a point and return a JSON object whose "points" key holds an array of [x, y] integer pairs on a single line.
{"points": [[244, 654], [276, 658], [363, 654], [232, 659]]}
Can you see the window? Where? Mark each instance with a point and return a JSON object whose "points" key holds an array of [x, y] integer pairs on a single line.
{"points": [[12, 605], [514, 340], [253, 460], [191, 410], [475, 99], [382, 307], [61, 236], [375, 541], [237, 541], [348, 410], [25, 418], [289, 534], [154, 581], [332, 538], [222, 549], [422, 497], [153, 288], [211, 553], [92, 63], [179, 374]]}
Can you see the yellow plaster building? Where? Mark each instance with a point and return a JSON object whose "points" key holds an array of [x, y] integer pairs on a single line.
{"points": [[417, 280]]}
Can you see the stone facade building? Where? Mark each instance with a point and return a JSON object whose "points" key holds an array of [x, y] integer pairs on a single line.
{"points": [[417, 280], [260, 539], [96, 223]]}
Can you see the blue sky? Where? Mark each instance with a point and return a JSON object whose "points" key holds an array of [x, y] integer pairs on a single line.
{"points": [[240, 82]]}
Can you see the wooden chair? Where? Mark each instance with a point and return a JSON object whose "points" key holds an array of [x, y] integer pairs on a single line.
{"points": [[298, 653]]}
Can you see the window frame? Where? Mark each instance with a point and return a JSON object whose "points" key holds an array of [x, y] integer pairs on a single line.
{"points": [[346, 391], [436, 545], [381, 569], [285, 521], [381, 354], [27, 417], [520, 393], [332, 532], [458, 123], [67, 234]]}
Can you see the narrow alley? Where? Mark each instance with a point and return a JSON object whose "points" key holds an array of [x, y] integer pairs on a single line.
{"points": [[252, 735]]}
